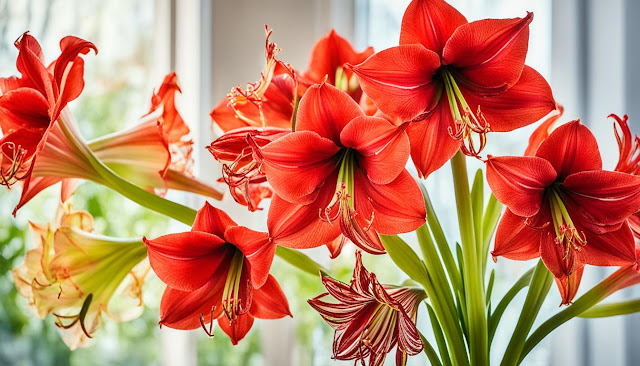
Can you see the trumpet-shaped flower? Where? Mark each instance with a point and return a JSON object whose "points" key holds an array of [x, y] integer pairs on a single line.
{"points": [[218, 270], [455, 80], [77, 276], [340, 172], [564, 208], [370, 319]]}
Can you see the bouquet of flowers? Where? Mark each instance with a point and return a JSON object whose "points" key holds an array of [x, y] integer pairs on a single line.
{"points": [[328, 147]]}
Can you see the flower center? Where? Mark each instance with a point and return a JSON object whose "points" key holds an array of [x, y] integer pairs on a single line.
{"points": [[8, 175], [344, 82], [233, 303], [381, 322], [342, 206], [465, 121], [566, 232]]}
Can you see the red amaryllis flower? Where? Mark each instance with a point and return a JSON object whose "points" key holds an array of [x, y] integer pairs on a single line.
{"points": [[370, 319], [218, 270], [155, 154], [268, 102], [456, 79], [33, 106], [240, 169], [564, 208], [327, 59], [340, 171], [629, 159]]}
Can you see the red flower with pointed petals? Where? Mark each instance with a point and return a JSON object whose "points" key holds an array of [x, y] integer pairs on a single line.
{"points": [[218, 270], [340, 172], [236, 150], [370, 319], [30, 105], [453, 79], [328, 57], [629, 159], [564, 208]]}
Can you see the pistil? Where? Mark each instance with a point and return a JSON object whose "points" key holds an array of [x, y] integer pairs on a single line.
{"points": [[566, 232], [231, 300], [466, 123]]}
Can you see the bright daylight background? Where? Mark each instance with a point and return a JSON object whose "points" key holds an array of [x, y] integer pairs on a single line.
{"points": [[587, 49]]}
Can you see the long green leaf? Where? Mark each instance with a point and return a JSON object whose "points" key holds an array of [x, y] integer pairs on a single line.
{"points": [[437, 332], [430, 352], [405, 258], [494, 320], [612, 309], [300, 261], [489, 225]]}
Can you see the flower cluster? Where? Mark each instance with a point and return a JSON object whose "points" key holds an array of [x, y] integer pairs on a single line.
{"points": [[328, 147]]}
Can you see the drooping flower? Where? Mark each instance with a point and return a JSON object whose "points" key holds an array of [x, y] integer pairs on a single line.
{"points": [[154, 154], [340, 172], [370, 319], [218, 270], [629, 159], [241, 170], [33, 117], [564, 208], [269, 101], [328, 58], [454, 80], [77, 276]]}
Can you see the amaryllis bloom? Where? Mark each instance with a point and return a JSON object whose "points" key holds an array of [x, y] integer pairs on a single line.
{"points": [[628, 160], [154, 154], [564, 208], [241, 170], [218, 270], [340, 172], [328, 58], [77, 276], [455, 79], [269, 101], [33, 117], [370, 319]]}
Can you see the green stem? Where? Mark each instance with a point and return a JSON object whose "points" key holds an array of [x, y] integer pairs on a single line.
{"points": [[613, 309], [472, 274], [598, 293], [538, 289]]}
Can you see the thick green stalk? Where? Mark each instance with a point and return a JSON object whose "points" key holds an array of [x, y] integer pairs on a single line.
{"points": [[598, 293], [472, 273], [538, 289]]}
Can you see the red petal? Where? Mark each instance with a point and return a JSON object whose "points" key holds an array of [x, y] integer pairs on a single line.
{"points": [[568, 285], [257, 249], [324, 109], [36, 185], [71, 48], [526, 102], [330, 52], [23, 108], [269, 302], [431, 144], [212, 220], [571, 148], [299, 226], [555, 257], [237, 329], [30, 63], [299, 163], [515, 240], [543, 131], [488, 55], [398, 206], [182, 310], [601, 197], [400, 80], [430, 23], [383, 149], [519, 182], [616, 248], [187, 261], [225, 117]]}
